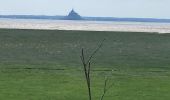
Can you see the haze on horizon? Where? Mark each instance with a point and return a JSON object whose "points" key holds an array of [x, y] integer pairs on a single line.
{"points": [[97, 8]]}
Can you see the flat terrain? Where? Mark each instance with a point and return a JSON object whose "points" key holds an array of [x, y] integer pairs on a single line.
{"points": [[85, 25], [45, 65]]}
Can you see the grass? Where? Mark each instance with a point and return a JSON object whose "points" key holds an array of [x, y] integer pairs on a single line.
{"points": [[45, 65]]}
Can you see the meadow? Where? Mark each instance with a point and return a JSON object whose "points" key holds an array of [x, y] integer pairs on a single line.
{"points": [[46, 65]]}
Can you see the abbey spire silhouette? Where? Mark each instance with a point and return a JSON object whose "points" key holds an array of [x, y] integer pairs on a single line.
{"points": [[73, 15]]}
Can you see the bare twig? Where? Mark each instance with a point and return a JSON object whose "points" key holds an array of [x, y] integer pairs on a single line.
{"points": [[97, 49], [86, 72], [106, 88], [87, 67]]}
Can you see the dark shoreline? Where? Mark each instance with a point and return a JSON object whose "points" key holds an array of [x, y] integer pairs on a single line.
{"points": [[156, 20]]}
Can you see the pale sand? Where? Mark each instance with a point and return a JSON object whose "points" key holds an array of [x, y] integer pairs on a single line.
{"points": [[84, 25]]}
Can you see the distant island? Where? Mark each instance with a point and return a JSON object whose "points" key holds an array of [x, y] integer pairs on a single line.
{"points": [[73, 15]]}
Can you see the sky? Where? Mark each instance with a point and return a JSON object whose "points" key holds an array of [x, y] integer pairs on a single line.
{"points": [[96, 8]]}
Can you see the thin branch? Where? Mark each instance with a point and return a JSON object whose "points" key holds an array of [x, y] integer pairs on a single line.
{"points": [[87, 67], [106, 88], [86, 72], [83, 57], [97, 49]]}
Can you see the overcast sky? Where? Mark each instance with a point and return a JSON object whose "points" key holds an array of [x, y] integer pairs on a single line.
{"points": [[110, 8]]}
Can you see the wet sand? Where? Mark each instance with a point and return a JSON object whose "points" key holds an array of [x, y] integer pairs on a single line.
{"points": [[84, 25]]}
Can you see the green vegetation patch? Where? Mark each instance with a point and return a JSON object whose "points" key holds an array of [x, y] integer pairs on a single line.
{"points": [[46, 65]]}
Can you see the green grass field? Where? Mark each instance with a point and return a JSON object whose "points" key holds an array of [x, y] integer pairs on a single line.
{"points": [[46, 65]]}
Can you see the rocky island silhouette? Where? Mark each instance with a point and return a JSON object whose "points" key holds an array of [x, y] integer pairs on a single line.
{"points": [[73, 16]]}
